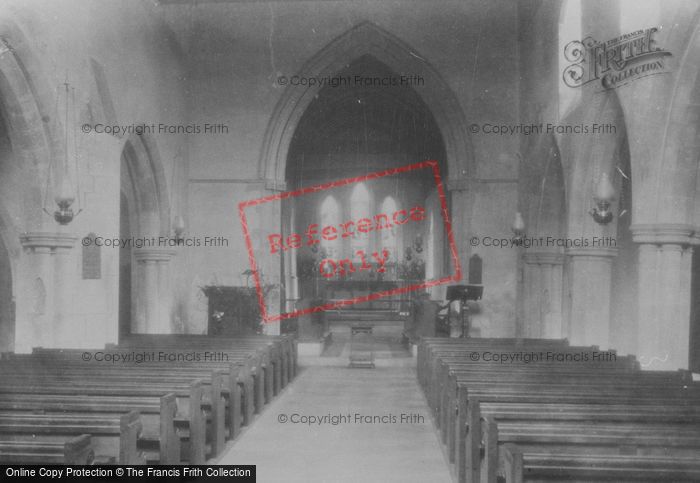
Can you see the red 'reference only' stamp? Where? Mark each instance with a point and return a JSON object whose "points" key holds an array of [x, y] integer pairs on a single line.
{"points": [[363, 257]]}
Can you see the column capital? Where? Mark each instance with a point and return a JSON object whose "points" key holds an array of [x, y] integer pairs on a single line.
{"points": [[152, 254], [605, 253], [275, 185], [457, 184], [47, 240], [664, 233], [543, 258]]}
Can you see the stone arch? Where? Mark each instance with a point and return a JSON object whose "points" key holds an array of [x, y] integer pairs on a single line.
{"points": [[677, 183], [366, 39], [543, 187], [30, 146], [588, 156], [25, 101], [679, 171], [542, 190], [148, 194], [585, 157], [146, 295]]}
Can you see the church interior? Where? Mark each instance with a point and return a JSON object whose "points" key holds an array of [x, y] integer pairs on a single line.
{"points": [[391, 240]]}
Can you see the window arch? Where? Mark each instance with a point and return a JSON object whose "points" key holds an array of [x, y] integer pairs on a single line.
{"points": [[389, 236], [360, 208], [330, 216]]}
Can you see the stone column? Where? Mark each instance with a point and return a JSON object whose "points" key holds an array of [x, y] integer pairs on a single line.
{"points": [[460, 216], [46, 282], [153, 293], [590, 274], [270, 267], [665, 268], [542, 290]]}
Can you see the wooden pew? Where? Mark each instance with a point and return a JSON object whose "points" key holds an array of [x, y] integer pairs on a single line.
{"points": [[469, 431], [76, 450], [455, 384], [236, 384], [284, 353], [445, 402], [191, 420], [493, 414], [66, 365], [159, 440], [428, 348], [522, 467], [256, 369], [586, 437], [442, 395], [270, 365], [245, 367], [114, 439]]}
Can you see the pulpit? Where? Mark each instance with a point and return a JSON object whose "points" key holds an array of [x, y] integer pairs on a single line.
{"points": [[233, 311]]}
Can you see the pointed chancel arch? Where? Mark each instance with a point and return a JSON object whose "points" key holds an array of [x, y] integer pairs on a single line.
{"points": [[360, 207], [362, 40]]}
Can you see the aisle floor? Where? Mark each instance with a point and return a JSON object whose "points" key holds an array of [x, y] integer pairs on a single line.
{"points": [[380, 450]]}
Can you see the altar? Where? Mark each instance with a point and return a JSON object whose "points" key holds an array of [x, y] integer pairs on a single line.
{"points": [[350, 289]]}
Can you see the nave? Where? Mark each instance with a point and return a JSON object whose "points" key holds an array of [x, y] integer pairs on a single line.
{"points": [[465, 410], [353, 450]]}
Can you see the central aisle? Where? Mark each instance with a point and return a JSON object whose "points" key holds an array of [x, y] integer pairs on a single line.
{"points": [[388, 451]]}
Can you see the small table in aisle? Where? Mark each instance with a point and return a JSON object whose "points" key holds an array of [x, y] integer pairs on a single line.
{"points": [[361, 346]]}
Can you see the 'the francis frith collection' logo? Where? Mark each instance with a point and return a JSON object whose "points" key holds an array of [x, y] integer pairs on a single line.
{"points": [[615, 62]]}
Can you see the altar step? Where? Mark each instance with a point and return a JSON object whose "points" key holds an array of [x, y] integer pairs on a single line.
{"points": [[364, 315]]}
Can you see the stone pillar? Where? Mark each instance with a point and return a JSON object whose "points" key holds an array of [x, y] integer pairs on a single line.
{"points": [[153, 292], [46, 281], [270, 267], [460, 216], [542, 294], [590, 274], [665, 268]]}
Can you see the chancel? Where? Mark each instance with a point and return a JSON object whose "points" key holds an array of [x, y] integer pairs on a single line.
{"points": [[405, 240]]}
